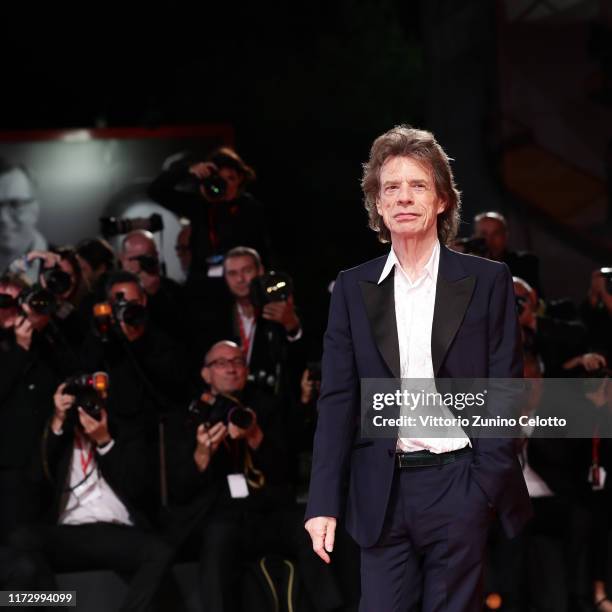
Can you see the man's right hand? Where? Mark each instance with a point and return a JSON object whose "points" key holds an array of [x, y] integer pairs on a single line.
{"points": [[322, 530], [23, 332], [203, 169], [207, 443], [63, 403]]}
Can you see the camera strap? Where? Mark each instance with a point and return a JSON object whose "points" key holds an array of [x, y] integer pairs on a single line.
{"points": [[254, 477]]}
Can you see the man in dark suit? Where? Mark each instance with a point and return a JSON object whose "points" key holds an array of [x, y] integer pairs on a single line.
{"points": [[418, 507]]}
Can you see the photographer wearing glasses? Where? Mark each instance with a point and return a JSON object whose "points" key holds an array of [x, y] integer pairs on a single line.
{"points": [[229, 468], [260, 316], [212, 195]]}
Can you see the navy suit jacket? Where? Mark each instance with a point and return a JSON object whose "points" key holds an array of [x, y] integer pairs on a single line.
{"points": [[475, 334]]}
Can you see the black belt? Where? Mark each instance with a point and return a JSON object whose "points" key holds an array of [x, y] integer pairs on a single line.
{"points": [[426, 458]]}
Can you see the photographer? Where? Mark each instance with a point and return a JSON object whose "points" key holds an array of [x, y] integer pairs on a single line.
{"points": [[34, 357], [96, 260], [562, 345], [241, 464], [146, 365], [98, 471], [139, 256], [212, 195], [492, 227], [596, 312], [270, 334]]}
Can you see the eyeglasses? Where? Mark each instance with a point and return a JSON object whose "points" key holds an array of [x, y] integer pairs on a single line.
{"points": [[237, 362], [15, 206]]}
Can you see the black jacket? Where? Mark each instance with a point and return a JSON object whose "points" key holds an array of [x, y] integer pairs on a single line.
{"points": [[125, 467], [215, 228], [193, 493], [28, 381]]}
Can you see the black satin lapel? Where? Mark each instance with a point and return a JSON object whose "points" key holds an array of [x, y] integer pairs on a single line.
{"points": [[452, 299], [380, 307]]}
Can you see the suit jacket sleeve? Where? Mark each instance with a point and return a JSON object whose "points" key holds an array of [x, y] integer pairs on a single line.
{"points": [[495, 459], [338, 411]]}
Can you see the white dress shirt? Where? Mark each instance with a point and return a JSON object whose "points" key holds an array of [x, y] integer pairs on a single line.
{"points": [[414, 310], [90, 498]]}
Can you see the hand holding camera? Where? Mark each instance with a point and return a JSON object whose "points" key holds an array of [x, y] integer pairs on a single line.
{"points": [[251, 433], [282, 312], [95, 429], [89, 393], [62, 402], [207, 443]]}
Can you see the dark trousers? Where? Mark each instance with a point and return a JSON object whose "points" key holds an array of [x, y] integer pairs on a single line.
{"points": [[96, 546], [430, 553], [230, 537], [558, 555]]}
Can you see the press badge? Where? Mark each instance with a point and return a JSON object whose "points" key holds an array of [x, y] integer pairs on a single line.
{"points": [[237, 485]]}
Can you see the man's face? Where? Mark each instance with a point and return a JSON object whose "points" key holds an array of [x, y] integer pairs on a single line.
{"points": [[408, 202], [495, 234], [183, 248], [132, 293], [18, 212], [133, 247], [225, 370], [239, 272]]}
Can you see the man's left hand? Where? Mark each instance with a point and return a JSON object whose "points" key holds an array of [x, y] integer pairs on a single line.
{"points": [[97, 431], [252, 434], [283, 313]]}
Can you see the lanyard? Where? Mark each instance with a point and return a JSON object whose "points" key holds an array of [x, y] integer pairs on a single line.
{"points": [[86, 458]]}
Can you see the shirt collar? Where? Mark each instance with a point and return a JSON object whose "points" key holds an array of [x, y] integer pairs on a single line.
{"points": [[431, 267]]}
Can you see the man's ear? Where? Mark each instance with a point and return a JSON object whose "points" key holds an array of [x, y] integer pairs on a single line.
{"points": [[205, 374], [143, 298], [441, 206]]}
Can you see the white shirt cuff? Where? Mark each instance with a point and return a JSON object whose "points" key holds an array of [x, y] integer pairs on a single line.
{"points": [[102, 450]]}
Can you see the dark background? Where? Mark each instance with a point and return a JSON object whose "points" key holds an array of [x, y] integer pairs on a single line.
{"points": [[307, 87]]}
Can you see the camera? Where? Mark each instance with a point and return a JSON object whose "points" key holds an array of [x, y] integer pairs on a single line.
{"points": [[39, 299], [130, 313], [7, 301], [90, 392], [270, 287], [113, 226], [222, 408], [214, 185], [56, 280], [473, 246]]}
